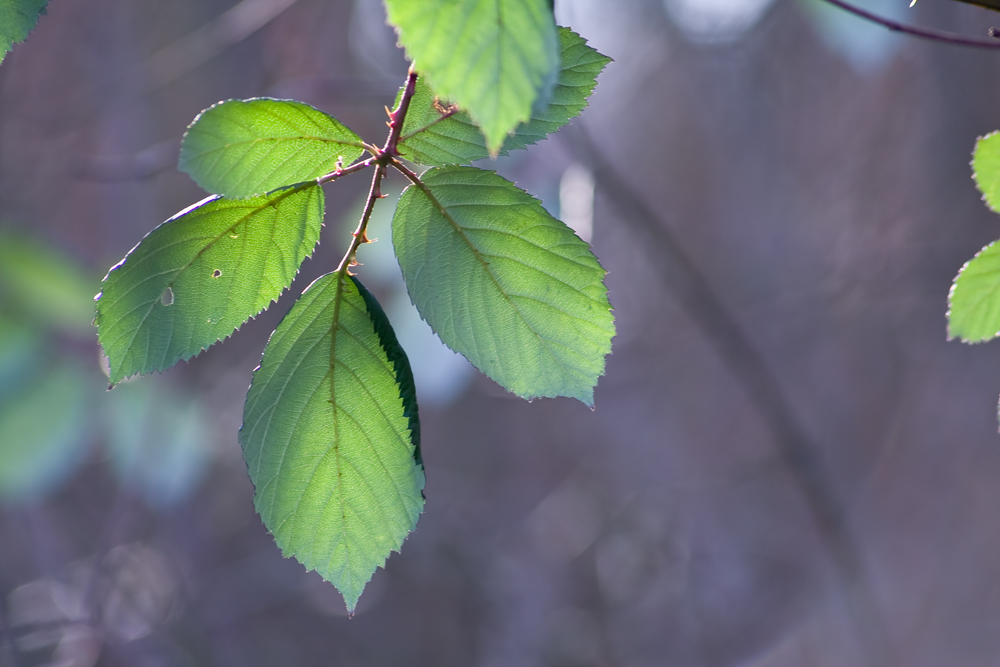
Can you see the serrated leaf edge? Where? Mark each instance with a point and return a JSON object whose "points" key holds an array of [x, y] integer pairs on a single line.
{"points": [[292, 189], [530, 140], [952, 335], [589, 396]]}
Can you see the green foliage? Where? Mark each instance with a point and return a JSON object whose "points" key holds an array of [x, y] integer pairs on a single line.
{"points": [[43, 287], [42, 433], [241, 148], [986, 169], [432, 137], [974, 300], [327, 440], [331, 432], [52, 409], [497, 59], [17, 19], [200, 275], [504, 283]]}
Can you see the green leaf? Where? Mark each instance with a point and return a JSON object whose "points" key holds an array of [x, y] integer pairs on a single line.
{"points": [[44, 433], [986, 169], [200, 275], [974, 300], [400, 363], [44, 285], [17, 19], [328, 440], [504, 283], [431, 138], [497, 59], [240, 148]]}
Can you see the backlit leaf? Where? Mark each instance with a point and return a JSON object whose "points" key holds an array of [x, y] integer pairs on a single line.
{"points": [[240, 148], [17, 19], [974, 300], [431, 138], [497, 59], [504, 283], [986, 169], [200, 275], [330, 435]]}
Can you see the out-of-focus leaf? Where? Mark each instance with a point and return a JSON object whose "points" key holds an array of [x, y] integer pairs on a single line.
{"points": [[17, 19], [45, 285], [496, 59], [504, 283], [44, 431], [329, 436], [431, 140], [200, 275], [158, 442], [241, 148], [20, 356]]}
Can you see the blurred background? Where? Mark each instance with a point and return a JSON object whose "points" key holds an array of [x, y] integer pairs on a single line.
{"points": [[788, 464]]}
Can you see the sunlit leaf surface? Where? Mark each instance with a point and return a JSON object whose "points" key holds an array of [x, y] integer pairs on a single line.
{"points": [[504, 283], [331, 436]]}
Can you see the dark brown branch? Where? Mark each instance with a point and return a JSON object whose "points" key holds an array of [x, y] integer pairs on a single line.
{"points": [[923, 33], [205, 43], [360, 234], [749, 369], [344, 171], [398, 117], [382, 158]]}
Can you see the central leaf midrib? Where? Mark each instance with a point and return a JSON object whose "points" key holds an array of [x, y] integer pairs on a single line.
{"points": [[485, 265], [334, 327], [244, 219]]}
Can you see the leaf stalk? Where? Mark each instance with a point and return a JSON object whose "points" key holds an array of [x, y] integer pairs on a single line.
{"points": [[381, 158]]}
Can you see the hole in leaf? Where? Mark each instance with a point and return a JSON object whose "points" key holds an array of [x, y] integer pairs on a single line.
{"points": [[167, 298], [234, 236], [216, 273]]}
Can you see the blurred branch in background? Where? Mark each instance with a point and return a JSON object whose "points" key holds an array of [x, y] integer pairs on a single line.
{"points": [[682, 277], [923, 33], [198, 47]]}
